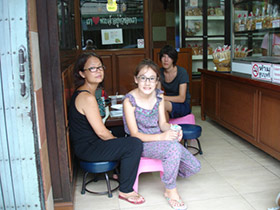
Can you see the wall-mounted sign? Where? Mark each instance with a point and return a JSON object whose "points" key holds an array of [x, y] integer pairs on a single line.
{"points": [[140, 43], [262, 71], [276, 73], [115, 21], [112, 36]]}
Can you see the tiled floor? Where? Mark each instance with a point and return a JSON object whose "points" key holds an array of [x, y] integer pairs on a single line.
{"points": [[234, 176]]}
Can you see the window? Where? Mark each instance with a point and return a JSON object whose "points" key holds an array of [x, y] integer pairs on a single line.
{"points": [[112, 24], [66, 24]]}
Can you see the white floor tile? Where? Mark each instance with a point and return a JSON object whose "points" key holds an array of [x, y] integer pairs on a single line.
{"points": [[235, 175]]}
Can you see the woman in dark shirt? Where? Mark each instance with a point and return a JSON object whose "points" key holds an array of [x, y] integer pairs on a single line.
{"points": [[91, 140], [175, 81]]}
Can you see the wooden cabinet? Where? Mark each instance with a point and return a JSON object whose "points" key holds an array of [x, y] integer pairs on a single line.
{"points": [[120, 68], [249, 108], [196, 90]]}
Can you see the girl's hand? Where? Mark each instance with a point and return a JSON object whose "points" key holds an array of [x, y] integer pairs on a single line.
{"points": [[169, 135], [180, 135]]}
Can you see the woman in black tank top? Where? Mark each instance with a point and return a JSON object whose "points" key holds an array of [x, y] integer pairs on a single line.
{"points": [[91, 140]]}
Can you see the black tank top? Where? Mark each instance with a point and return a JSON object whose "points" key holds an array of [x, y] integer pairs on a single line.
{"points": [[81, 133]]}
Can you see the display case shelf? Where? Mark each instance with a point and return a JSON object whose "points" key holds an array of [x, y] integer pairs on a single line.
{"points": [[200, 17], [200, 57], [205, 29], [264, 41]]}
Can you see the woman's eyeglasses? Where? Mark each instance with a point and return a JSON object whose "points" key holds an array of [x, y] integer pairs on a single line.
{"points": [[143, 78], [94, 69]]}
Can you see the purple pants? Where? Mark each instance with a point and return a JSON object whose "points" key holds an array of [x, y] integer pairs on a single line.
{"points": [[176, 160]]}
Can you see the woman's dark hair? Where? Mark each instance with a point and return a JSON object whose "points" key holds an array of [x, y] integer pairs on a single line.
{"points": [[170, 51], [147, 63], [79, 66]]}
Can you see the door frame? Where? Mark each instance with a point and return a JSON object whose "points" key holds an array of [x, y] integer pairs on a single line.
{"points": [[53, 62]]}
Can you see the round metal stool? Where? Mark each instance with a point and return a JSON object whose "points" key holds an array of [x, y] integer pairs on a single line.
{"points": [[97, 168], [192, 132]]}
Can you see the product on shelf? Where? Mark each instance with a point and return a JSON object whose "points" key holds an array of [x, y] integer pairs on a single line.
{"points": [[258, 19], [221, 58], [275, 17], [241, 52], [211, 11], [219, 11], [267, 17], [197, 50], [193, 27], [249, 22], [193, 11], [237, 23], [210, 50]]}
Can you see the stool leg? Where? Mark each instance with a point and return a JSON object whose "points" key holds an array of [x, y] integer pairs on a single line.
{"points": [[84, 183], [200, 150], [185, 143], [108, 185]]}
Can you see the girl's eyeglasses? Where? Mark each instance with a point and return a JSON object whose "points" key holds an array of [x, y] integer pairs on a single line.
{"points": [[143, 78]]}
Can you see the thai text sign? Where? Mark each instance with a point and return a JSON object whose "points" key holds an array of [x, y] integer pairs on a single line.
{"points": [[262, 71]]}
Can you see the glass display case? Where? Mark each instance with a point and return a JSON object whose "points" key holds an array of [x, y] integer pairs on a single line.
{"points": [[256, 32], [204, 29]]}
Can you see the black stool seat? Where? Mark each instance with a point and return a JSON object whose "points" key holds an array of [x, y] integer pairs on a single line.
{"points": [[96, 168], [192, 132]]}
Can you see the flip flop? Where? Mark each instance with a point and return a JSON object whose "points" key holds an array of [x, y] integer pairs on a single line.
{"points": [[177, 205], [133, 201], [115, 176], [278, 200]]}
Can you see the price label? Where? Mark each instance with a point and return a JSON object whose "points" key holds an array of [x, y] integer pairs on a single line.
{"points": [[275, 23], [258, 25], [241, 27], [193, 3]]}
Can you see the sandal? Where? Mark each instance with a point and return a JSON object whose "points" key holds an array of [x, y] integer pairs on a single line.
{"points": [[176, 204], [134, 199], [278, 200], [115, 176]]}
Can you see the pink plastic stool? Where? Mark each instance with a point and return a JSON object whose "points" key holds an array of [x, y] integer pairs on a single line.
{"points": [[147, 165], [188, 119]]}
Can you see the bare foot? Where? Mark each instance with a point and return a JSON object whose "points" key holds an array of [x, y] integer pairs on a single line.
{"points": [[172, 194]]}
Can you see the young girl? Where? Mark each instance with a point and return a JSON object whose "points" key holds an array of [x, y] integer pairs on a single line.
{"points": [[91, 140], [144, 117]]}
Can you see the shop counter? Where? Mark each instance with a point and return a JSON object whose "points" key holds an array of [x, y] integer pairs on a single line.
{"points": [[248, 107]]}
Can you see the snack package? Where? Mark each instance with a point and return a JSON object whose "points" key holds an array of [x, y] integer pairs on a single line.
{"points": [[249, 22], [237, 23]]}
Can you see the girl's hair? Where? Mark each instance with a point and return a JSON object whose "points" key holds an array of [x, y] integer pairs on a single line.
{"points": [[149, 64], [79, 66], [170, 51]]}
